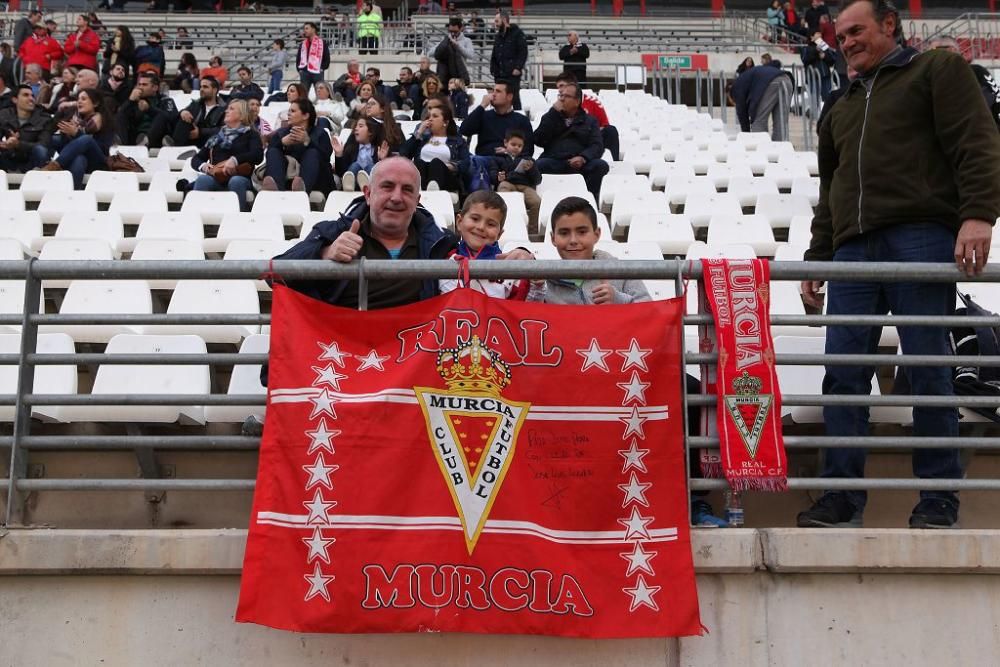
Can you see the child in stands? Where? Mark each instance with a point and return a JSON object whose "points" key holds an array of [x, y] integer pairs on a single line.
{"points": [[355, 160], [480, 225], [459, 98], [575, 233], [517, 173]]}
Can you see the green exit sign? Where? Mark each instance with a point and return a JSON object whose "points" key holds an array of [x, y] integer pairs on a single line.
{"points": [[682, 62]]}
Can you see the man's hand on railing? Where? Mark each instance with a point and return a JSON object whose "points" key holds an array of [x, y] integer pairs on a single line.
{"points": [[972, 248], [811, 293]]}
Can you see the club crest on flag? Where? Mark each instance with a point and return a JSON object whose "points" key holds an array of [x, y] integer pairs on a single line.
{"points": [[749, 408], [472, 429]]}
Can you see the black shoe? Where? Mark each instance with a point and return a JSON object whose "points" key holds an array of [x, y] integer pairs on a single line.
{"points": [[833, 510], [934, 513]]}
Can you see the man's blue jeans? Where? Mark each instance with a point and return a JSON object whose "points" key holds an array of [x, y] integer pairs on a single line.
{"points": [[917, 242]]}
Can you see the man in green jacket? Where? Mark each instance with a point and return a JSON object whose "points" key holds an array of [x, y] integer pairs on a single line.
{"points": [[909, 172], [369, 29]]}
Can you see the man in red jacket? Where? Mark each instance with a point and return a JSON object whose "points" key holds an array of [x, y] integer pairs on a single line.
{"points": [[83, 45], [41, 50]]}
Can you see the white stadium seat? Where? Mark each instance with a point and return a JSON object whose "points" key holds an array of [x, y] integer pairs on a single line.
{"points": [[22, 226], [131, 206], [244, 380], [36, 184], [55, 202], [49, 379], [158, 225], [673, 233], [780, 209], [291, 205], [210, 206], [212, 297], [105, 297], [752, 230], [246, 226], [107, 184]]}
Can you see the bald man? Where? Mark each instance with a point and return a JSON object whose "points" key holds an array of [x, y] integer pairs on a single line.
{"points": [[575, 55]]}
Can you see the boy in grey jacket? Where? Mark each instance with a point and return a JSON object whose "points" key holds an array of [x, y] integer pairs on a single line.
{"points": [[574, 234], [276, 65]]}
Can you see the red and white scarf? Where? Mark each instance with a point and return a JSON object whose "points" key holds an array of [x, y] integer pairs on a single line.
{"points": [[311, 55], [748, 410]]}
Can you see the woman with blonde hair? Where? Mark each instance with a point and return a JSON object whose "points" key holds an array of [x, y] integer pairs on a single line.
{"points": [[229, 156]]}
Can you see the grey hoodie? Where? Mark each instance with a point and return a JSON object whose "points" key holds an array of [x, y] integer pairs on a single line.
{"points": [[567, 292]]}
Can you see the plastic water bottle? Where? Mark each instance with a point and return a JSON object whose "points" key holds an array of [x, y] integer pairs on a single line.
{"points": [[734, 509]]}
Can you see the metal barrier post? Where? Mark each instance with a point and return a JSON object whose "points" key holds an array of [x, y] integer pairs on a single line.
{"points": [[677, 83], [697, 90], [722, 95], [25, 386]]}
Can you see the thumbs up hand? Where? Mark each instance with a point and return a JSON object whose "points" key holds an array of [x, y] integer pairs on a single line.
{"points": [[347, 246]]}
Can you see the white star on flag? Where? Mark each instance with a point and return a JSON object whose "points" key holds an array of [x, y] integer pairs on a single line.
{"points": [[371, 360], [634, 491], [333, 353], [322, 403], [319, 473], [328, 376], [633, 424], [634, 356], [635, 389], [594, 356], [642, 595], [318, 545], [633, 457], [322, 438], [318, 583], [637, 559], [636, 525], [318, 508]]}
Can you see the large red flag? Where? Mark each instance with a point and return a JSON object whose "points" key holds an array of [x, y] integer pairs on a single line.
{"points": [[469, 464]]}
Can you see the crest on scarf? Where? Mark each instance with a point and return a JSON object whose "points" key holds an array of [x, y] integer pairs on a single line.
{"points": [[472, 429], [748, 408]]}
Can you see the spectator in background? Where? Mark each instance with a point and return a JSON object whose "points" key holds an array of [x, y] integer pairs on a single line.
{"points": [[516, 172], [25, 133], [7, 62], [439, 152], [51, 27], [492, 125], [276, 65], [374, 76], [33, 77], [116, 85], [120, 50], [83, 45], [818, 55], [314, 56], [987, 84], [355, 159], [305, 142], [6, 93], [147, 116], [246, 89], [150, 57], [763, 94], [260, 125], [775, 19], [812, 17], [347, 82], [85, 79], [369, 29], [228, 157], [84, 139], [828, 31], [430, 89], [575, 55], [60, 92], [24, 27], [362, 94], [453, 53], [182, 40], [378, 107], [216, 70], [202, 118], [458, 97], [326, 107], [791, 18], [593, 106], [188, 74], [572, 140], [40, 49], [510, 53], [423, 70], [406, 91], [745, 65]]}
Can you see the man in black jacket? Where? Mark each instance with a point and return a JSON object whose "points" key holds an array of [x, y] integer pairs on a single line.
{"points": [[25, 133], [575, 55], [454, 53], [572, 140], [202, 118], [246, 89], [146, 117], [510, 53], [987, 84], [406, 91], [492, 125]]}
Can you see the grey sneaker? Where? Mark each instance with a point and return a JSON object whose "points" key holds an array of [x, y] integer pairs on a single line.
{"points": [[348, 180], [363, 180]]}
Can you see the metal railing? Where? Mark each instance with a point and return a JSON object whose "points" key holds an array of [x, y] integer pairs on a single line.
{"points": [[33, 272]]}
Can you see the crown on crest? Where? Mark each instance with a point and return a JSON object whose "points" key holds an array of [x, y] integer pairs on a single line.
{"points": [[471, 366], [747, 385]]}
